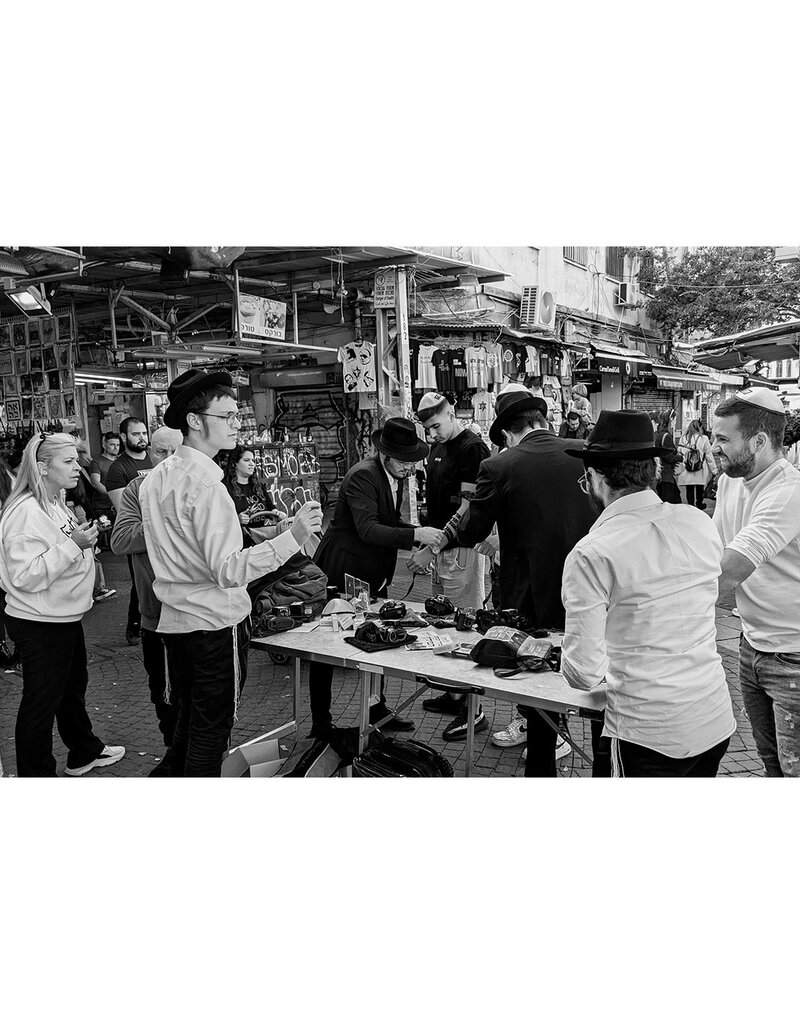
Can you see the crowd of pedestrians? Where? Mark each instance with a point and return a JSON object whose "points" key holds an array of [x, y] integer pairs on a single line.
{"points": [[612, 556]]}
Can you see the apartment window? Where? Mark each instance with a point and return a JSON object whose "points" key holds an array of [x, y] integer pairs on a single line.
{"points": [[615, 261], [577, 254], [646, 274]]}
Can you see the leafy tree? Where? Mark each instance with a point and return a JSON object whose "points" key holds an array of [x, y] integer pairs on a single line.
{"points": [[792, 435], [717, 290]]}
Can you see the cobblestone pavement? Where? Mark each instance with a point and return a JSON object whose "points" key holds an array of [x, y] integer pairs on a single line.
{"points": [[119, 705]]}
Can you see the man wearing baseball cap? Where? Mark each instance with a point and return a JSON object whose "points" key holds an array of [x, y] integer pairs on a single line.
{"points": [[194, 542], [639, 592], [758, 518]]}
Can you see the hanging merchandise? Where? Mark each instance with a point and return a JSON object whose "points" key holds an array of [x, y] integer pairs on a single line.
{"points": [[483, 410], [533, 365], [513, 360], [358, 362], [494, 363], [459, 362], [566, 366], [476, 366], [426, 375], [443, 367]]}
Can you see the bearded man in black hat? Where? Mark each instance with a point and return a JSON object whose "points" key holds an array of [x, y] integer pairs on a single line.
{"points": [[640, 592], [194, 541], [364, 537], [531, 492]]}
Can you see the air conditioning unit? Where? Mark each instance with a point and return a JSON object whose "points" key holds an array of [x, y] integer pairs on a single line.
{"points": [[626, 295], [538, 308]]}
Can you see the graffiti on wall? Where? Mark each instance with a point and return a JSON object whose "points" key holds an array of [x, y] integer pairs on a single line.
{"points": [[319, 411]]}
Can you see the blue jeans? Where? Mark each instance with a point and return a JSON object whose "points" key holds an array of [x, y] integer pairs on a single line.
{"points": [[771, 691]]}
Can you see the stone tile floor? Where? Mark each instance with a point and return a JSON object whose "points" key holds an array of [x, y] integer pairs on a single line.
{"points": [[118, 700]]}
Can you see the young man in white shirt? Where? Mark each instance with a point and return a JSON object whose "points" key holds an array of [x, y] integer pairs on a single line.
{"points": [[194, 542], [640, 592], [758, 518]]}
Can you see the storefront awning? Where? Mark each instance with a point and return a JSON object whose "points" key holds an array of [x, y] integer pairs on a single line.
{"points": [[674, 378], [766, 344], [625, 362]]}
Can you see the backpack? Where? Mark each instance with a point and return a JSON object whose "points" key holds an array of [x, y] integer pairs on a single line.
{"points": [[298, 579], [694, 460]]}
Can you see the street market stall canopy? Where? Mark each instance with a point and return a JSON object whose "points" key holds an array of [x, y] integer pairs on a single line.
{"points": [[188, 291], [764, 344]]}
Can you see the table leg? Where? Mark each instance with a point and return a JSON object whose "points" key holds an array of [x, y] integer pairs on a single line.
{"points": [[365, 682], [470, 734]]}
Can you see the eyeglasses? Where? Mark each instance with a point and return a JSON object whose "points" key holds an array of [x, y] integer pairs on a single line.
{"points": [[583, 483], [231, 418]]}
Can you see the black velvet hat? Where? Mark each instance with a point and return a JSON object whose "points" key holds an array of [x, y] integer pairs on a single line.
{"points": [[185, 387], [509, 404], [626, 434], [398, 439]]}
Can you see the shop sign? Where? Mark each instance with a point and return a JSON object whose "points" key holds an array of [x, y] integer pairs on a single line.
{"points": [[670, 384], [622, 365], [384, 291], [261, 318]]}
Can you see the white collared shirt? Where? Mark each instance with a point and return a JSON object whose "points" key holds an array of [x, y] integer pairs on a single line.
{"points": [[392, 483], [640, 591], [760, 518], [194, 542]]}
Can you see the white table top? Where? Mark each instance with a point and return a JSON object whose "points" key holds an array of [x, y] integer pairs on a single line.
{"points": [[546, 690]]}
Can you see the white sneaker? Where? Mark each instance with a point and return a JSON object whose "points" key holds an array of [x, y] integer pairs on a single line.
{"points": [[735, 611], [516, 732], [108, 755], [562, 748]]}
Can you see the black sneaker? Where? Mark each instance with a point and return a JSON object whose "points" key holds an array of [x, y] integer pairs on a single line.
{"points": [[457, 729], [444, 704], [133, 636]]}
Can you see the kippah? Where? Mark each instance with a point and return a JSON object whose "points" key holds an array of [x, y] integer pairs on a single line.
{"points": [[764, 398], [430, 403]]}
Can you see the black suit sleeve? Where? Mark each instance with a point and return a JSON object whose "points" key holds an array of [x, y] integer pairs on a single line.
{"points": [[481, 515], [362, 497]]}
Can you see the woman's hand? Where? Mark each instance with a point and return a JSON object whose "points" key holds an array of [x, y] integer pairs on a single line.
{"points": [[85, 535]]}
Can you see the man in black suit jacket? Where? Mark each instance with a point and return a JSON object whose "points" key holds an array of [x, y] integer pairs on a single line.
{"points": [[364, 537], [531, 491]]}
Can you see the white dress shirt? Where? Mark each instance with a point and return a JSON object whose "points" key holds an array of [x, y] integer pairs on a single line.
{"points": [[194, 542], [639, 592], [760, 519]]}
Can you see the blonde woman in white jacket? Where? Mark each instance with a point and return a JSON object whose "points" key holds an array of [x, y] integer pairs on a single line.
{"points": [[47, 571]]}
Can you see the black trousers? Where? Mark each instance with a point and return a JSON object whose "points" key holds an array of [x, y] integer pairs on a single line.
{"points": [[134, 615], [694, 494], [54, 681], [540, 761], [154, 654], [642, 762], [201, 668]]}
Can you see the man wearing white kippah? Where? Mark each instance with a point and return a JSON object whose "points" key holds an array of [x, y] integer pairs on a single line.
{"points": [[758, 518]]}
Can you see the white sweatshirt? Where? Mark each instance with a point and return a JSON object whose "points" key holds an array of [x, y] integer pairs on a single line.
{"points": [[46, 576]]}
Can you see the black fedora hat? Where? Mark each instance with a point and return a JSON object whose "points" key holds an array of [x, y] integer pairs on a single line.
{"points": [[626, 434], [398, 439], [185, 387], [510, 404]]}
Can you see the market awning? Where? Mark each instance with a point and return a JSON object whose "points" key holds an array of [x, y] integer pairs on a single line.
{"points": [[623, 361], [675, 378], [766, 344]]}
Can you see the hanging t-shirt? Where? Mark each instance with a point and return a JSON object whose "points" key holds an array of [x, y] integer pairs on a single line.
{"points": [[358, 362], [426, 375], [566, 367], [483, 409], [443, 367], [513, 360], [459, 362], [494, 363], [533, 364], [476, 366]]}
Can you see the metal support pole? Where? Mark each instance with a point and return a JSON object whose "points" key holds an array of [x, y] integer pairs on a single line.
{"points": [[381, 346], [295, 320], [237, 327], [404, 369], [470, 747], [298, 674]]}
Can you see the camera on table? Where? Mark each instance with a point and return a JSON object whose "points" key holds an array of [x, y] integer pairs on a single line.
{"points": [[441, 607], [464, 619], [393, 610], [486, 618]]}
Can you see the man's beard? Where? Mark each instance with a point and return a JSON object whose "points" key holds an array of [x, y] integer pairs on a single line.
{"points": [[595, 501], [742, 465], [140, 446]]}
